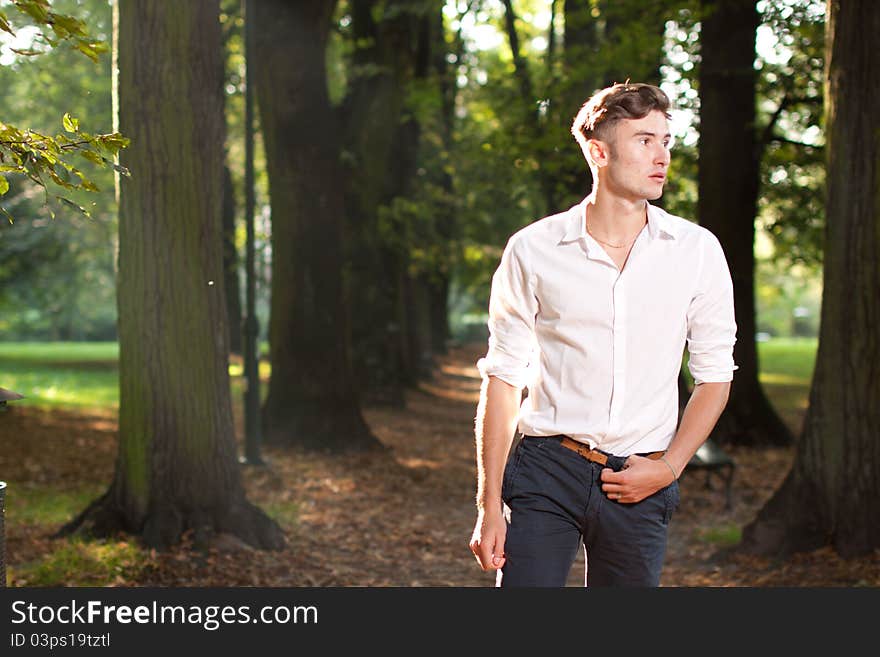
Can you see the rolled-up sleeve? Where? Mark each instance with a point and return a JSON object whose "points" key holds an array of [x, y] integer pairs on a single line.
{"points": [[512, 310], [711, 331]]}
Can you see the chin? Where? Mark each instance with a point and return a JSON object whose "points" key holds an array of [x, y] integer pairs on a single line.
{"points": [[654, 194]]}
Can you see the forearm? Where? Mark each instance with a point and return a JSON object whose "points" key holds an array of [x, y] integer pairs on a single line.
{"points": [[494, 428], [700, 415]]}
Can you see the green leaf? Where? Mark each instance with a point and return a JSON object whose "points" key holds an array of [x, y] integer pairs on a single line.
{"points": [[87, 49], [68, 24], [4, 23], [113, 141], [36, 9], [26, 53], [92, 156], [74, 205], [70, 124], [8, 216], [4, 185], [118, 167]]}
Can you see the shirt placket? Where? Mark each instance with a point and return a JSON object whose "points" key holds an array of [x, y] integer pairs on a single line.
{"points": [[618, 353]]}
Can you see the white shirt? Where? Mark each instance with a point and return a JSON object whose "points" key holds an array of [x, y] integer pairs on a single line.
{"points": [[600, 350]]}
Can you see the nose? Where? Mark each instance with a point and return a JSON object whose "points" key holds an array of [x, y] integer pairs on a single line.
{"points": [[662, 155]]}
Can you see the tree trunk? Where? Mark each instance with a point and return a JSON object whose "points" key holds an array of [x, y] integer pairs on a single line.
{"points": [[438, 307], [530, 111], [177, 468], [393, 45], [728, 196], [635, 21], [832, 494], [230, 264], [312, 400], [447, 226]]}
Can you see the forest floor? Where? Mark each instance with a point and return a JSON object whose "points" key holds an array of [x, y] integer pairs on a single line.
{"points": [[402, 517]]}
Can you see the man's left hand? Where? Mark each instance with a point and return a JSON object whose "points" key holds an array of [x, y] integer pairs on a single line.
{"points": [[639, 478]]}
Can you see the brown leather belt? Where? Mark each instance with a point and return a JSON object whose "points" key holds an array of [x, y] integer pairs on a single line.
{"points": [[595, 455]]}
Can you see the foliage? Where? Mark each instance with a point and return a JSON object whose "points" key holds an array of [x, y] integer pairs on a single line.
{"points": [[40, 156], [788, 299], [77, 301], [789, 131], [792, 204], [480, 169], [63, 29]]}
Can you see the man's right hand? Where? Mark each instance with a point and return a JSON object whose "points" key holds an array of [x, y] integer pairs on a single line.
{"points": [[487, 542]]}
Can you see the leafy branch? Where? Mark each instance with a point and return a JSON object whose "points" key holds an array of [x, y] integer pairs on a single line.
{"points": [[56, 29], [38, 156]]}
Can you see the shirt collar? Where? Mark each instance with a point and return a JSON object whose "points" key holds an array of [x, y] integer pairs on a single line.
{"points": [[576, 223], [658, 222]]}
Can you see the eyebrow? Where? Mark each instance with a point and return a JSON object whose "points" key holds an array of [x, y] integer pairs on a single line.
{"points": [[645, 133]]}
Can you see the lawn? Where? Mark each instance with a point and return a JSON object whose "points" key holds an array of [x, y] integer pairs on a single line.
{"points": [[79, 375], [75, 375]]}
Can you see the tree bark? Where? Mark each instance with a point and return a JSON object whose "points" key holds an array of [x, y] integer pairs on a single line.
{"points": [[230, 264], [177, 468], [394, 42], [369, 115], [728, 183], [832, 494], [312, 399]]}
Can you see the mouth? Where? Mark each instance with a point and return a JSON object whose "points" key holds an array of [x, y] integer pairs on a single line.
{"points": [[659, 177]]}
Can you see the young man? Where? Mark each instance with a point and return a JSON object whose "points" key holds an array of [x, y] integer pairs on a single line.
{"points": [[590, 310]]}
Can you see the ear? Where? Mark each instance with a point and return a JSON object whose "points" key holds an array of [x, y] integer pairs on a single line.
{"points": [[597, 151]]}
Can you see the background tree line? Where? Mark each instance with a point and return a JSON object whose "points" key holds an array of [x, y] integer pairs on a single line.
{"points": [[403, 141]]}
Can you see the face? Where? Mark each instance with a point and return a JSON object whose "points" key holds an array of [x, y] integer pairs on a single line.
{"points": [[633, 163]]}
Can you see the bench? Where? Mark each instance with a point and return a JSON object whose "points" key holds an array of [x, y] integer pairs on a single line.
{"points": [[8, 395], [714, 460]]}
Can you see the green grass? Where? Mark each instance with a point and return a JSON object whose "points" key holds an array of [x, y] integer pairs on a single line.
{"points": [[783, 361], [73, 562], [284, 513], [82, 375], [45, 505], [75, 375], [78, 562], [59, 352], [788, 361], [722, 535]]}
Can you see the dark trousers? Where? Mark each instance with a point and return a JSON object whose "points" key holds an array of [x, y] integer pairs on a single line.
{"points": [[555, 500]]}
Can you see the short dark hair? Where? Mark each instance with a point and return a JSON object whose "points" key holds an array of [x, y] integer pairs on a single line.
{"points": [[607, 107]]}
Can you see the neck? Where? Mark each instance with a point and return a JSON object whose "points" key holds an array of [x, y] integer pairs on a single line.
{"points": [[614, 219]]}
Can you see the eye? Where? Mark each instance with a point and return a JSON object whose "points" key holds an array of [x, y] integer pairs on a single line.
{"points": [[644, 141]]}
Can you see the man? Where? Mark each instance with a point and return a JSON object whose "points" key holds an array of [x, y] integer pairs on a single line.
{"points": [[590, 310]]}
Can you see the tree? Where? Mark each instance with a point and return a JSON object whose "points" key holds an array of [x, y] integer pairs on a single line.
{"points": [[728, 180], [312, 398], [176, 468], [388, 54], [230, 265], [831, 496]]}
